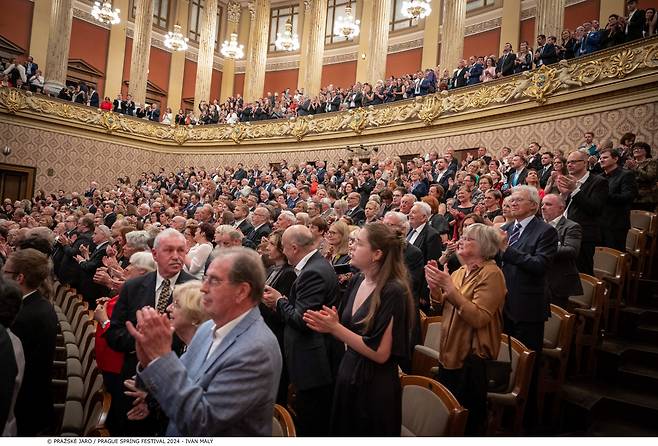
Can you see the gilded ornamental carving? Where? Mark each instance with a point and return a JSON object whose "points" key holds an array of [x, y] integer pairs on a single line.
{"points": [[538, 85]]}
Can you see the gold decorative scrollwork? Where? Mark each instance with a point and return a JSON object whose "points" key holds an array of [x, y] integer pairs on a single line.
{"points": [[539, 85]]}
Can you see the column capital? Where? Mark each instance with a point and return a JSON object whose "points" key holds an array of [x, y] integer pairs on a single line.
{"points": [[252, 9], [307, 5], [233, 14]]}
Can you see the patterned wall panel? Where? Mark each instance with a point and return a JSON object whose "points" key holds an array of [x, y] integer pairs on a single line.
{"points": [[76, 161]]}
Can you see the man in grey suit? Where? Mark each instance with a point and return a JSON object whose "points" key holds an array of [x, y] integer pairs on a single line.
{"points": [[562, 279], [226, 382]]}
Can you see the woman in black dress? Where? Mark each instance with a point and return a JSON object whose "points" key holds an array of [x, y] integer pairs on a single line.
{"points": [[375, 326], [280, 276]]}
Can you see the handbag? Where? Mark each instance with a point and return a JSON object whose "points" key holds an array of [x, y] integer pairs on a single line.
{"points": [[497, 372]]}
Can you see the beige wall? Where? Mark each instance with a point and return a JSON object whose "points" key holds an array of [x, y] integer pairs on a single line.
{"points": [[77, 160]]}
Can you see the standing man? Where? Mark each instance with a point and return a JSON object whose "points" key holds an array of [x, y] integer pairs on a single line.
{"points": [[622, 190], [585, 195], [312, 358], [37, 327], [226, 382], [562, 278], [528, 246], [153, 289]]}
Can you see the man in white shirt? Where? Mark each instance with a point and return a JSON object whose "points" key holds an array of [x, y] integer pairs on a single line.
{"points": [[226, 382]]}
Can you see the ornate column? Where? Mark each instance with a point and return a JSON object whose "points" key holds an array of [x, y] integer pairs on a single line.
{"points": [[177, 66], [510, 27], [316, 22], [607, 7], [549, 18], [204, 60], [116, 51], [59, 38], [365, 13], [378, 40], [431, 33], [452, 38], [228, 72], [303, 28], [39, 38], [254, 79], [139, 62]]}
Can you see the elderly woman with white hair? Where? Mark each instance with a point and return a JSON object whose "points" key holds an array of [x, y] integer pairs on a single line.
{"points": [[473, 298], [109, 361]]}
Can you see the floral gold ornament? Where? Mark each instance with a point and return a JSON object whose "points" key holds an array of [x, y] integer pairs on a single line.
{"points": [[638, 59]]}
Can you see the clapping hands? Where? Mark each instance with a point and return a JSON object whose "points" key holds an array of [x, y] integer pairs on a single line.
{"points": [[322, 321]]}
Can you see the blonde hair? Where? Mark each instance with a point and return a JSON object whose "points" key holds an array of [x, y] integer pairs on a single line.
{"points": [[344, 232], [188, 295]]}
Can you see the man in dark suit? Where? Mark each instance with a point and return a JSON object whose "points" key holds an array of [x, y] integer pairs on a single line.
{"points": [[109, 216], [242, 222], [534, 158], [261, 221], [562, 278], [311, 357], [36, 326], [459, 75], [546, 168], [635, 21], [527, 248], [443, 175], [89, 262], [622, 190], [154, 290], [30, 67], [475, 70], [70, 224], [505, 65], [419, 186], [69, 270], [424, 237], [240, 173], [354, 210], [94, 100], [585, 195]]}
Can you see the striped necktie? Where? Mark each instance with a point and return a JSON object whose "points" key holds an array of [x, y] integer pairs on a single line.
{"points": [[515, 234]]}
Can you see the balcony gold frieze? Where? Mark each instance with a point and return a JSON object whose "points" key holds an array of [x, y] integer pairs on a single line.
{"points": [[537, 86]]}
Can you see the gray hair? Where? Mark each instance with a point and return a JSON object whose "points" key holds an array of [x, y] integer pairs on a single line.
{"points": [[288, 216], [340, 204], [138, 239], [106, 231], [246, 267], [486, 237], [531, 191], [167, 233], [424, 207], [233, 233], [402, 219], [143, 260]]}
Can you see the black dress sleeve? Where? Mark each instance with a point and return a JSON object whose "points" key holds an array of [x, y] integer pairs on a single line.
{"points": [[392, 305]]}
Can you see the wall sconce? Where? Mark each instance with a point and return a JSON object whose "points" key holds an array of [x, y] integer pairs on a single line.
{"points": [[6, 151], [363, 56]]}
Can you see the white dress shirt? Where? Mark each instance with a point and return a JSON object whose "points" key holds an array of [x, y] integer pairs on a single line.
{"points": [[158, 285], [302, 263], [219, 333], [416, 233]]}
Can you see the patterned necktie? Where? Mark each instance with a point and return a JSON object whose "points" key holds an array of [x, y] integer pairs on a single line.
{"points": [[163, 300], [410, 235], [516, 233]]}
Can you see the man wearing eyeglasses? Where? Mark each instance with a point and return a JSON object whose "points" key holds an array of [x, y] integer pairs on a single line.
{"points": [[585, 196], [36, 326]]}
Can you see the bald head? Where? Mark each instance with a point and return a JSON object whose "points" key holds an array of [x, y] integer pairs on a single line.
{"points": [[297, 243]]}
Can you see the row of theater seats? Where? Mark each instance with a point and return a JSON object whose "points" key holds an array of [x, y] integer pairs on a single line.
{"points": [[81, 403], [580, 326]]}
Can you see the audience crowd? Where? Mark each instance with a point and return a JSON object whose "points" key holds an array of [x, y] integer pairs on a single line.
{"points": [[324, 264], [585, 39]]}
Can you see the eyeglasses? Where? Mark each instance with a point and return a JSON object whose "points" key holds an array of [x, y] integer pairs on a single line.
{"points": [[575, 161], [213, 281]]}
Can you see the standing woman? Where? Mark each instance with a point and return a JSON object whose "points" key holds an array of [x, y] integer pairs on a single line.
{"points": [[559, 168], [375, 325], [473, 299], [646, 176]]}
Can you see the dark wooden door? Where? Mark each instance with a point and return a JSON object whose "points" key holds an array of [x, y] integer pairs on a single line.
{"points": [[16, 182]]}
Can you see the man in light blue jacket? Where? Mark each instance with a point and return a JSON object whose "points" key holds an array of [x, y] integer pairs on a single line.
{"points": [[226, 382]]}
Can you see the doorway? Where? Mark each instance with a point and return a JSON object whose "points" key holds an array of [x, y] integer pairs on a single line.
{"points": [[17, 182]]}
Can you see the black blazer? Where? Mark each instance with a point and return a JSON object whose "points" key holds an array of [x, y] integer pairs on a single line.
{"points": [[429, 243], [525, 265], [281, 281], [254, 238], [548, 54], [135, 294], [90, 290], [69, 271], [311, 357], [8, 373], [635, 26], [505, 64], [586, 207], [36, 326], [358, 215], [544, 175], [622, 190], [562, 279], [459, 77], [245, 227], [413, 259], [510, 176], [444, 180]]}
